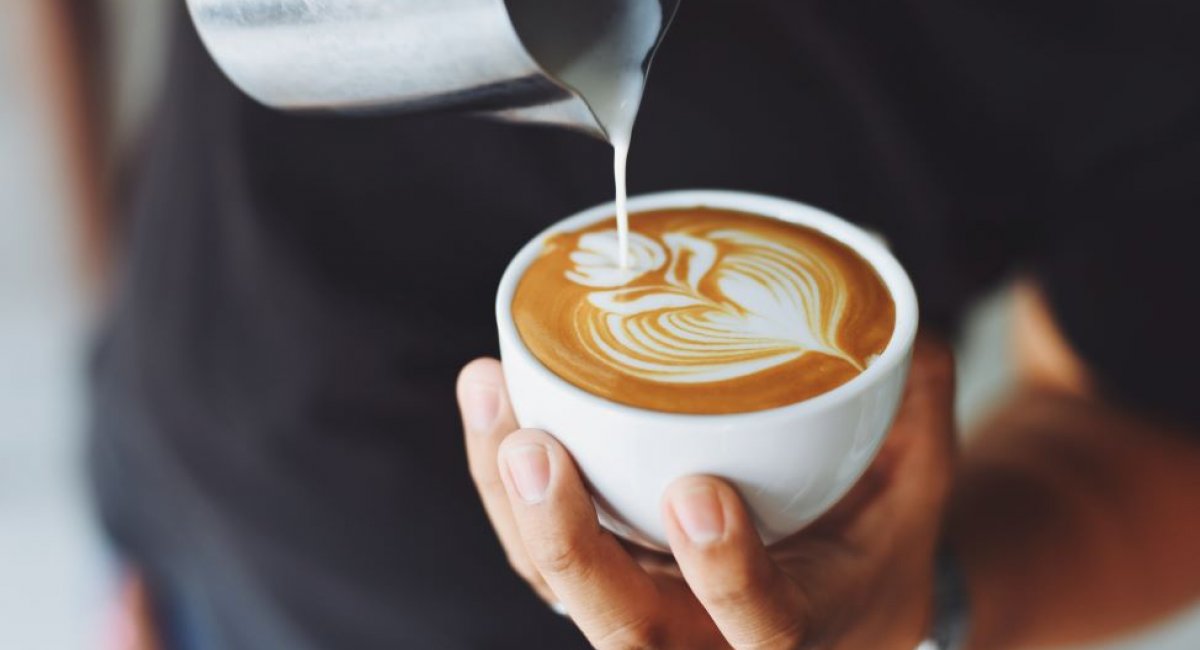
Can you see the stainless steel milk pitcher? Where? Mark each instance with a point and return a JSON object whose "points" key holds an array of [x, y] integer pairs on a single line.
{"points": [[510, 58]]}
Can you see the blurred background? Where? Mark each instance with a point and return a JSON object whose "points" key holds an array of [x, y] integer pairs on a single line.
{"points": [[52, 566], [56, 579]]}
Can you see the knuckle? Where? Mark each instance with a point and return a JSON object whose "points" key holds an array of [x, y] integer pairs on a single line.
{"points": [[788, 637], [639, 633], [555, 555], [737, 589]]}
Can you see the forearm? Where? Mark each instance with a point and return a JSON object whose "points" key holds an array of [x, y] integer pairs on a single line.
{"points": [[1074, 522]]}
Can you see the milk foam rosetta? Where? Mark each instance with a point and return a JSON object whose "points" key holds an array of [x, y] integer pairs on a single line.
{"points": [[715, 312]]}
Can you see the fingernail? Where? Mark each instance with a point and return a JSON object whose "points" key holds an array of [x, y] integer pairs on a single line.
{"points": [[699, 513], [482, 406], [529, 467]]}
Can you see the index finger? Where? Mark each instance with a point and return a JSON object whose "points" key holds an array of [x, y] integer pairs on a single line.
{"points": [[487, 419], [614, 603]]}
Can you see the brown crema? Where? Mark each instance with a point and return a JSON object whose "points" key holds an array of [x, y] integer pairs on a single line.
{"points": [[717, 312]]}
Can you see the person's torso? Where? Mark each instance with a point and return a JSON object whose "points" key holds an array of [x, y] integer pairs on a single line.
{"points": [[300, 291]]}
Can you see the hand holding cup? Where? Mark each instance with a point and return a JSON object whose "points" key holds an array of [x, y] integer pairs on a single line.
{"points": [[859, 577]]}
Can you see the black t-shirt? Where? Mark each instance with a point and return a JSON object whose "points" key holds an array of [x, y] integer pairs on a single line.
{"points": [[276, 438]]}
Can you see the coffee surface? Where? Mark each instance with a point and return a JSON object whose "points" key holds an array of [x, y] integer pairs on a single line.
{"points": [[716, 312]]}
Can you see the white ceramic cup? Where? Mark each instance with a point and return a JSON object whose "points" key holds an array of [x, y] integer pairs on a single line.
{"points": [[790, 464]]}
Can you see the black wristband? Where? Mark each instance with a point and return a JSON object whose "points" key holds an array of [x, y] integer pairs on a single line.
{"points": [[951, 603]]}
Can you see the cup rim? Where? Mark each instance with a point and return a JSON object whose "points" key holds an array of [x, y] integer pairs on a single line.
{"points": [[870, 247]]}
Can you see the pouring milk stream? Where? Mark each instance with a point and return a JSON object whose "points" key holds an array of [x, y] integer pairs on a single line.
{"points": [[600, 51], [579, 64]]}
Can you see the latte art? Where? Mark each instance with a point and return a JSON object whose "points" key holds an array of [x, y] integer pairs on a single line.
{"points": [[766, 304], [714, 312]]}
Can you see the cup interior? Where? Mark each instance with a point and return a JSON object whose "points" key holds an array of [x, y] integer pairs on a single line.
{"points": [[870, 247]]}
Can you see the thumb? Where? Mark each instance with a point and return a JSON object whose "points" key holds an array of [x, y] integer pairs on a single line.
{"points": [[752, 602]]}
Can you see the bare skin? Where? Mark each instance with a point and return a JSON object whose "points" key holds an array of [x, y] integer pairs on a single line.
{"points": [[872, 553], [1073, 521]]}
